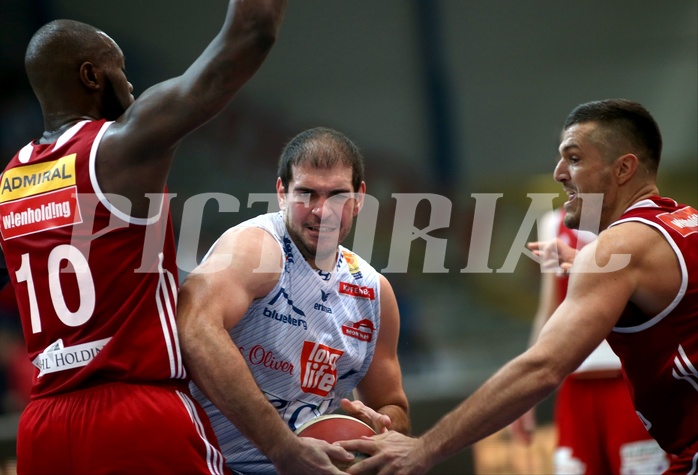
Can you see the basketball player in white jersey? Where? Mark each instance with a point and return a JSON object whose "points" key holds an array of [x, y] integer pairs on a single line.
{"points": [[280, 323]]}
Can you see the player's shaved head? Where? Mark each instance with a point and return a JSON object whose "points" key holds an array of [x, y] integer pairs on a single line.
{"points": [[57, 50]]}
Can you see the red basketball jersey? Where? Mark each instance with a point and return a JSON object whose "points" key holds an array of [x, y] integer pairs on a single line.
{"points": [[660, 352], [96, 288]]}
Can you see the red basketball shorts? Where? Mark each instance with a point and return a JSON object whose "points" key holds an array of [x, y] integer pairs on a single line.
{"points": [[686, 463], [117, 428], [599, 431]]}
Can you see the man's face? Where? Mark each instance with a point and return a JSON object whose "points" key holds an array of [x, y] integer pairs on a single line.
{"points": [[582, 168], [319, 207]]}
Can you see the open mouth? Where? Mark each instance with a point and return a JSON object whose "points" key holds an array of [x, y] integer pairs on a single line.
{"points": [[321, 229]]}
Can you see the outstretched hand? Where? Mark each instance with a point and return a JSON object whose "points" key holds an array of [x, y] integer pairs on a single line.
{"points": [[522, 429], [312, 456], [554, 255], [390, 453], [380, 422]]}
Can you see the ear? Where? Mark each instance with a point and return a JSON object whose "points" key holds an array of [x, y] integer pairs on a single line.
{"points": [[280, 194], [90, 76], [359, 198], [626, 167]]}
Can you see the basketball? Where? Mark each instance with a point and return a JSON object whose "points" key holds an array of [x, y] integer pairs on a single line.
{"points": [[335, 427]]}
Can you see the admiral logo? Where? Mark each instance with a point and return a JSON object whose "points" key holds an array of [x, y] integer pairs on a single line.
{"points": [[30, 180], [362, 330], [684, 221], [319, 368], [357, 291], [353, 264]]}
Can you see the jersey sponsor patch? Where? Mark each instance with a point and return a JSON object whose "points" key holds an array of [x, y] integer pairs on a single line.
{"points": [[39, 213], [57, 357], [352, 263], [38, 197], [684, 220], [318, 368], [258, 355], [357, 291], [30, 180], [361, 330]]}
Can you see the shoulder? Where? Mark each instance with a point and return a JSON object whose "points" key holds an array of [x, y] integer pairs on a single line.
{"points": [[629, 236], [629, 247], [249, 242], [356, 263], [388, 301], [249, 255]]}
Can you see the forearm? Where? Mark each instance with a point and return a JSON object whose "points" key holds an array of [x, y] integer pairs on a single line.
{"points": [[215, 77], [236, 53], [507, 395], [399, 417], [220, 371]]}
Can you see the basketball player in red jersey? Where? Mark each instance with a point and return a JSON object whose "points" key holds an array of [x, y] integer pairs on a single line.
{"points": [[636, 286], [90, 249], [597, 428]]}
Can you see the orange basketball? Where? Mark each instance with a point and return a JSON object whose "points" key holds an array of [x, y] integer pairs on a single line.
{"points": [[335, 427]]}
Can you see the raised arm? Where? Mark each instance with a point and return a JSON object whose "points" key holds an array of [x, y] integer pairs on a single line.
{"points": [[136, 152]]}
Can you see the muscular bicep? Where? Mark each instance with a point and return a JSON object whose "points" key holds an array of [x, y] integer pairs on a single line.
{"points": [[596, 298]]}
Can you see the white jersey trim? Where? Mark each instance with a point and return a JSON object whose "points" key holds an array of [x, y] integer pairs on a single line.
{"points": [[166, 293], [214, 459], [684, 278], [103, 198], [684, 369], [26, 152]]}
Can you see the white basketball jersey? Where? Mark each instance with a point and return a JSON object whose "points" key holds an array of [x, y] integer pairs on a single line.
{"points": [[308, 342]]}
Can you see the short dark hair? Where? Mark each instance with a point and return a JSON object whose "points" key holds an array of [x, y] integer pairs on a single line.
{"points": [[321, 147], [623, 120]]}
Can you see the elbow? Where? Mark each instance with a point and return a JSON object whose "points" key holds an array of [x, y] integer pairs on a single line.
{"points": [[263, 35], [262, 26]]}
